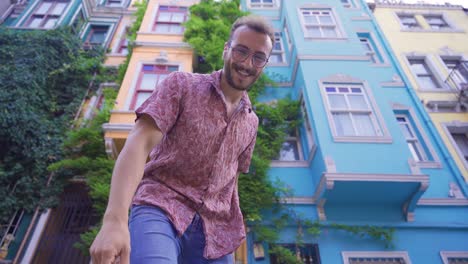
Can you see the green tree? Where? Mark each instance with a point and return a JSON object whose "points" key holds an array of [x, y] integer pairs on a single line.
{"points": [[44, 76]]}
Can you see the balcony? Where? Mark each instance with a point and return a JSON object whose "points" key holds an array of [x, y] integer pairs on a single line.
{"points": [[457, 80], [377, 197]]}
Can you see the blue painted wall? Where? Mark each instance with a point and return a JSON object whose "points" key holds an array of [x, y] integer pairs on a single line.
{"points": [[435, 227]]}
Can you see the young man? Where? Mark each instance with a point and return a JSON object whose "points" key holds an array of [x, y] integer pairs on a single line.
{"points": [[200, 132]]}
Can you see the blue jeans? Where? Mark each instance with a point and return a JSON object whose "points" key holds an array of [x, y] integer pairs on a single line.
{"points": [[154, 240]]}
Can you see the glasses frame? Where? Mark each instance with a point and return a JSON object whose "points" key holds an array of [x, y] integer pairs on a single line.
{"points": [[251, 54]]}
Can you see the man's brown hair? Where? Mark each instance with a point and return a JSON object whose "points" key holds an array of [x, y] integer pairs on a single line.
{"points": [[257, 23]]}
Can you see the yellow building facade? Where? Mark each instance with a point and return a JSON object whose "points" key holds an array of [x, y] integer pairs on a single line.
{"points": [[431, 44]]}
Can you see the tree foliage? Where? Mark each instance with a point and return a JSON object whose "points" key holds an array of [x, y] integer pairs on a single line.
{"points": [[44, 76]]}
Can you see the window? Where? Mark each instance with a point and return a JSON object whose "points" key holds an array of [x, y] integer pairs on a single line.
{"points": [[408, 21], [307, 253], [123, 43], [149, 77], [263, 3], [290, 149], [370, 48], [97, 35], [347, 3], [375, 257], [436, 21], [114, 3], [47, 13], [411, 137], [458, 71], [319, 23], [308, 127], [277, 54], [454, 257], [286, 34], [459, 136], [423, 73], [169, 20], [78, 22], [351, 112], [365, 260]]}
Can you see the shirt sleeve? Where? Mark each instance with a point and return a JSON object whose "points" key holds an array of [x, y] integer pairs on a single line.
{"points": [[164, 103], [246, 156]]}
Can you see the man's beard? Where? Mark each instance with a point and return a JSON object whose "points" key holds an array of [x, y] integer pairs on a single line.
{"points": [[229, 79]]}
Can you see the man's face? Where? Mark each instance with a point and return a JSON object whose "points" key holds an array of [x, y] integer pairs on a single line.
{"points": [[243, 57]]}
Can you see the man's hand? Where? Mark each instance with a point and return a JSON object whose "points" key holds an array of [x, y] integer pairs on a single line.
{"points": [[112, 244]]}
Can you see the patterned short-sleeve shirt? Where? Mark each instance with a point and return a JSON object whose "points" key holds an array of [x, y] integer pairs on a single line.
{"points": [[194, 168]]}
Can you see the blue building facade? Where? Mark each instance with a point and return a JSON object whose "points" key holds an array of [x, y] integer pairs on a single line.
{"points": [[366, 153]]}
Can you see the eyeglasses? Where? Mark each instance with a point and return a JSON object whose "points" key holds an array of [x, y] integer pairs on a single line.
{"points": [[240, 54]]}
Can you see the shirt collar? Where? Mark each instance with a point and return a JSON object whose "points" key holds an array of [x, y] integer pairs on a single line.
{"points": [[215, 80]]}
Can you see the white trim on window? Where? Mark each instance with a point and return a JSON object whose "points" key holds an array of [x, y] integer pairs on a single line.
{"points": [[431, 72], [375, 254], [382, 59], [278, 51], [447, 255], [457, 128], [263, 4], [320, 23], [347, 93]]}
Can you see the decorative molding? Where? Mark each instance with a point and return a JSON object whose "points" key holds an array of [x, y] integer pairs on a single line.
{"points": [[443, 202], [419, 6], [375, 254], [111, 149], [289, 164], [340, 78], [415, 170], [333, 57], [117, 127], [422, 178], [182, 45], [298, 200], [321, 210], [330, 164], [445, 255]]}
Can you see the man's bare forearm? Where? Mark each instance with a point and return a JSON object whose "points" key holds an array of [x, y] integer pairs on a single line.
{"points": [[129, 168]]}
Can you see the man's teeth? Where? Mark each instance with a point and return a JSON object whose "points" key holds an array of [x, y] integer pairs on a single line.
{"points": [[242, 72]]}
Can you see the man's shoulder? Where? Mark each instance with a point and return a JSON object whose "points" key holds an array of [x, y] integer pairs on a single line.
{"points": [[190, 79]]}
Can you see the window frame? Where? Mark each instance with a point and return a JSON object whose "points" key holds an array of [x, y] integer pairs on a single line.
{"points": [[138, 90], [281, 52], [47, 15], [441, 17], [403, 26], [446, 255], [336, 24], [275, 4], [448, 128], [92, 29], [346, 255], [429, 66], [413, 141], [313, 247], [381, 133], [287, 36], [170, 9], [309, 132], [432, 159], [459, 76]]}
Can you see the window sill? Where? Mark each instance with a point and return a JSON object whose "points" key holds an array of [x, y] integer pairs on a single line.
{"points": [[438, 90], [289, 164], [367, 139], [326, 39], [157, 33], [380, 65], [422, 30], [429, 164], [278, 64]]}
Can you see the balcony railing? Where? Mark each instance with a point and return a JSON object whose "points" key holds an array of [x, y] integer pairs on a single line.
{"points": [[457, 80]]}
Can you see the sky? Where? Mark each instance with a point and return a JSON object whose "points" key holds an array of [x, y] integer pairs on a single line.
{"points": [[453, 2]]}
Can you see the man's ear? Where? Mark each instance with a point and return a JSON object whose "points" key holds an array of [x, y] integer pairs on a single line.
{"points": [[226, 47]]}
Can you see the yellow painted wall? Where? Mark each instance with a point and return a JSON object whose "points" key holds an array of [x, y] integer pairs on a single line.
{"points": [[432, 44]]}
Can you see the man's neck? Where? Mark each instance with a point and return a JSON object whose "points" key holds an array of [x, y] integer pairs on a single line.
{"points": [[232, 95]]}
